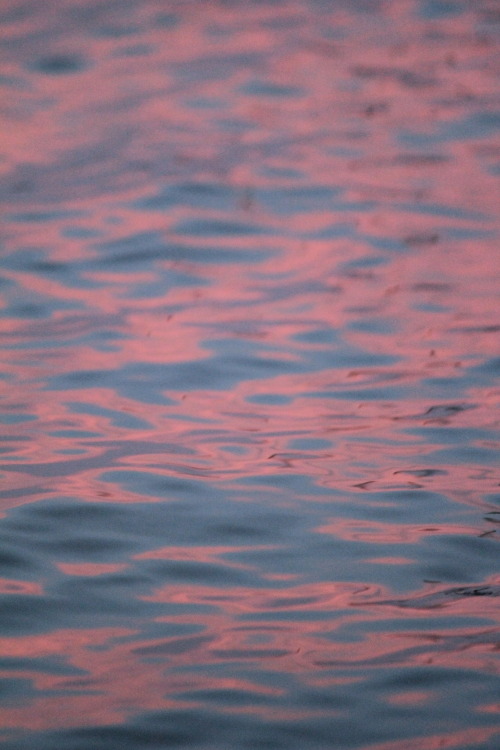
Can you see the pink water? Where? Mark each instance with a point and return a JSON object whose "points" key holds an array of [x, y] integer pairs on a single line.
{"points": [[250, 358]]}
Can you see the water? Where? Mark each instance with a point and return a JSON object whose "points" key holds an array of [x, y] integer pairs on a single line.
{"points": [[250, 357]]}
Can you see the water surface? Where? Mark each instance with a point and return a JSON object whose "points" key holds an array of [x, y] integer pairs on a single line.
{"points": [[250, 357]]}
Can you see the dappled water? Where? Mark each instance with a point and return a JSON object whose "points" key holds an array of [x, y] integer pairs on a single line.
{"points": [[250, 356]]}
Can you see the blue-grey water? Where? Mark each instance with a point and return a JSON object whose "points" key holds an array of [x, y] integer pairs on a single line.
{"points": [[249, 285]]}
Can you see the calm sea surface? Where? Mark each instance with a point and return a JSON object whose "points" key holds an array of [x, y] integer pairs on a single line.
{"points": [[250, 359]]}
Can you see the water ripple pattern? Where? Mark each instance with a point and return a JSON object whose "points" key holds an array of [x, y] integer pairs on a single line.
{"points": [[249, 294]]}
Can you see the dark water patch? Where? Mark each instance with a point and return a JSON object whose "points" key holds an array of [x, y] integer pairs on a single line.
{"points": [[106, 592], [286, 173], [488, 367], [201, 573], [14, 14], [22, 615], [422, 631], [214, 67], [25, 492], [173, 646], [85, 171], [439, 412], [139, 249], [80, 604], [318, 336], [95, 531], [351, 267], [270, 399], [91, 12], [476, 329], [462, 233], [135, 50], [384, 243], [471, 127], [118, 418], [117, 31], [205, 195], [254, 653], [173, 734], [142, 383], [72, 328], [87, 546], [467, 436], [332, 231], [219, 228], [167, 20], [384, 326], [80, 233], [40, 217], [147, 383], [359, 394], [16, 418], [397, 504], [267, 89], [473, 455], [227, 698], [442, 598], [362, 206], [447, 211], [461, 558], [60, 64], [437, 9], [64, 512], [421, 160], [408, 78], [47, 665], [275, 292], [41, 307], [14, 689], [302, 199], [15, 561], [422, 473], [32, 259], [310, 444], [429, 238]]}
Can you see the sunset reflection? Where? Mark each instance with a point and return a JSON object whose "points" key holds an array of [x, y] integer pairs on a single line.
{"points": [[249, 384]]}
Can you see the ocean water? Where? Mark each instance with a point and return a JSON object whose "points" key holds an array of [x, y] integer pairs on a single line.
{"points": [[250, 329]]}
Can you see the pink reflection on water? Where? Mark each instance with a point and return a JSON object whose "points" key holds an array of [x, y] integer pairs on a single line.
{"points": [[151, 675], [11, 586], [436, 742], [89, 569], [355, 308], [389, 533]]}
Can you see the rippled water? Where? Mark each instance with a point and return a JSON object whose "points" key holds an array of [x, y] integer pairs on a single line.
{"points": [[250, 358]]}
